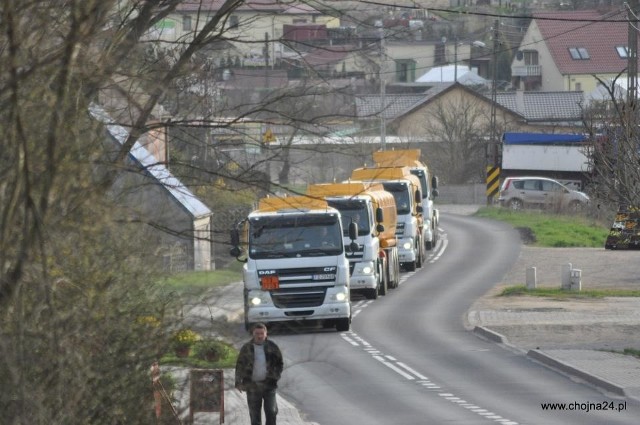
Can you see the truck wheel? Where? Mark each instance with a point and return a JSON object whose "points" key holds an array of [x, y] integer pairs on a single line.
{"points": [[371, 293], [343, 325], [420, 255], [383, 276], [394, 269]]}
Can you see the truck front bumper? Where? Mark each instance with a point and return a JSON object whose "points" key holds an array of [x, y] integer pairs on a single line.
{"points": [[323, 312]]}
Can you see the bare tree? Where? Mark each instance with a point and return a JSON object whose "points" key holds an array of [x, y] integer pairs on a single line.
{"points": [[614, 149], [455, 127]]}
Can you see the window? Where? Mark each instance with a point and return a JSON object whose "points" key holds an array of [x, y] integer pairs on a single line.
{"points": [[186, 23], [579, 53], [549, 186], [531, 185], [233, 21], [623, 51], [405, 70], [530, 57]]}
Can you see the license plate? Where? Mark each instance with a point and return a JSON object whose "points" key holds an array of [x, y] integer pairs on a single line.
{"points": [[269, 283], [326, 276]]}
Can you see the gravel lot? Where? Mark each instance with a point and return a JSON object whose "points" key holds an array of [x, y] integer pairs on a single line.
{"points": [[534, 322]]}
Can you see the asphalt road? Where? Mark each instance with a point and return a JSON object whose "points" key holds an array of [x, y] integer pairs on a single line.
{"points": [[409, 359]]}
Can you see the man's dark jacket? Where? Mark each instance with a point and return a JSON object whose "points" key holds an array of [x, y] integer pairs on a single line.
{"points": [[244, 365]]}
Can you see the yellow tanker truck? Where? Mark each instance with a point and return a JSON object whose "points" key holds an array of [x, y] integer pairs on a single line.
{"points": [[295, 265], [405, 188], [428, 184], [374, 266]]}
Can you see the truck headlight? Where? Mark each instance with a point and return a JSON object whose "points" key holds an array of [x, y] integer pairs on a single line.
{"points": [[407, 245], [257, 298], [341, 296], [364, 268]]}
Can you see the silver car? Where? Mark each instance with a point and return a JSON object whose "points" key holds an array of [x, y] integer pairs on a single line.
{"points": [[539, 192]]}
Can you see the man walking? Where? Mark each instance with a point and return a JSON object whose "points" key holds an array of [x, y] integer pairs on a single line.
{"points": [[258, 370]]}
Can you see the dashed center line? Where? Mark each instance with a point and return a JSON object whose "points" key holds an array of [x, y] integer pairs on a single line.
{"points": [[405, 370]]}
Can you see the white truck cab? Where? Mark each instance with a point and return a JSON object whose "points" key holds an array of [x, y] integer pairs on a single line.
{"points": [[295, 265]]}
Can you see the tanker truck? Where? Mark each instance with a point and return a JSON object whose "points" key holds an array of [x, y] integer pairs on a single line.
{"points": [[295, 265], [374, 266], [405, 188], [428, 185]]}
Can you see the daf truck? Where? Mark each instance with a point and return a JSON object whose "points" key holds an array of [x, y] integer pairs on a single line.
{"points": [[428, 185], [295, 265], [374, 266], [405, 188]]}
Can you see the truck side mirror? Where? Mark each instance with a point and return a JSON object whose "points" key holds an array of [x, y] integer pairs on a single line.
{"points": [[419, 208], [353, 231], [435, 193], [380, 228], [418, 197], [235, 250], [235, 237], [434, 182], [379, 215]]}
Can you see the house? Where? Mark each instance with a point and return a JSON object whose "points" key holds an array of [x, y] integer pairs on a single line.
{"points": [[566, 51], [535, 111], [251, 26], [180, 224], [562, 111]]}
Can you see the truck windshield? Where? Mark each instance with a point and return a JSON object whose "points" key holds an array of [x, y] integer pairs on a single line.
{"points": [[295, 236], [400, 192], [352, 210], [424, 183]]}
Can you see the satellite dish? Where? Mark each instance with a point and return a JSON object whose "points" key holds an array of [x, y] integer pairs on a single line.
{"points": [[519, 55]]}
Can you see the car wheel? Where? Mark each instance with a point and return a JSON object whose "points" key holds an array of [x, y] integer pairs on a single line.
{"points": [[515, 204]]}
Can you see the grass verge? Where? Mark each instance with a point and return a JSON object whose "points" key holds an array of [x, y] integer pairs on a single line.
{"points": [[551, 230], [564, 294], [192, 284]]}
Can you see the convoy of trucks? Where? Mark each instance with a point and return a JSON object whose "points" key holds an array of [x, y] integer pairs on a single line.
{"points": [[374, 266], [428, 184], [304, 255]]}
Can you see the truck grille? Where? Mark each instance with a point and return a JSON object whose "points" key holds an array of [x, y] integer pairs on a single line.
{"points": [[298, 297], [303, 286]]}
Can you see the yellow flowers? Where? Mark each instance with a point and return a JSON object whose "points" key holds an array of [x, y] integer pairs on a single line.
{"points": [[185, 338]]}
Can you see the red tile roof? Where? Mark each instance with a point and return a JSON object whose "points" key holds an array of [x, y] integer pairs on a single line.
{"points": [[598, 34], [289, 8], [329, 55]]}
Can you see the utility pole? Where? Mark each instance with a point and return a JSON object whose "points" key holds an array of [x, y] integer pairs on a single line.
{"points": [[493, 142], [632, 91]]}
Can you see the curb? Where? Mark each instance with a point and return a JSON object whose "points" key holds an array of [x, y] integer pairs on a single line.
{"points": [[490, 335], [558, 365], [561, 366]]}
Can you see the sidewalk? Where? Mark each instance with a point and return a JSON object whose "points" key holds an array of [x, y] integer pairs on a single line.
{"points": [[221, 306]]}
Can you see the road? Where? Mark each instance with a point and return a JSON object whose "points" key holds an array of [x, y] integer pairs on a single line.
{"points": [[409, 360]]}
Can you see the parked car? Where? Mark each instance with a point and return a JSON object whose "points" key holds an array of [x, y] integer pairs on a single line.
{"points": [[539, 192]]}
